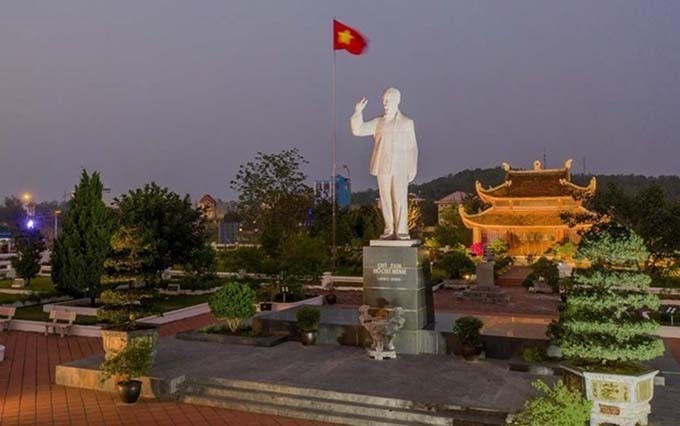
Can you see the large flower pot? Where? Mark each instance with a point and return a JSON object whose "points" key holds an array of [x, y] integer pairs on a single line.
{"points": [[471, 352], [308, 337], [619, 399], [116, 339], [129, 391]]}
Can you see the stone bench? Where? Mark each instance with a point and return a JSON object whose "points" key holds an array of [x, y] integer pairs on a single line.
{"points": [[60, 320], [6, 315]]}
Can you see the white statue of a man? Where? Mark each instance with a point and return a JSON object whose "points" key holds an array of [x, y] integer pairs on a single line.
{"points": [[394, 160]]}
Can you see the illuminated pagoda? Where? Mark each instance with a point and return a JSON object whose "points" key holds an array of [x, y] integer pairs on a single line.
{"points": [[525, 209]]}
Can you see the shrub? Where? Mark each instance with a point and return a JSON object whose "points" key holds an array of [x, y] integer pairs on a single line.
{"points": [[559, 406], [233, 303], [122, 308], [308, 318], [456, 264], [600, 319], [534, 354], [437, 276], [132, 362], [547, 269], [529, 280], [499, 247], [467, 330]]}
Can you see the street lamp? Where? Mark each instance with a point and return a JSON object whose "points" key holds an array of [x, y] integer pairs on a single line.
{"points": [[56, 221]]}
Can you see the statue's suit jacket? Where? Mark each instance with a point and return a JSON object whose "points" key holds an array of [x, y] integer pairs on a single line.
{"points": [[395, 150]]}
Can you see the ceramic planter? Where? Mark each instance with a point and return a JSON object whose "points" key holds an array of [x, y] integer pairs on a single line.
{"points": [[308, 337], [129, 391], [115, 340], [618, 399], [471, 352]]}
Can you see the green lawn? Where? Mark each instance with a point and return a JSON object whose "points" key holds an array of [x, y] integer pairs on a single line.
{"points": [[161, 303], [41, 284]]}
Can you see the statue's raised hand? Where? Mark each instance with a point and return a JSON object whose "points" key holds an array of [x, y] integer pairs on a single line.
{"points": [[359, 107]]}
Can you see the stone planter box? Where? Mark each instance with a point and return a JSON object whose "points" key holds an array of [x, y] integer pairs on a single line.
{"points": [[79, 306], [617, 399], [114, 340], [266, 341], [280, 306]]}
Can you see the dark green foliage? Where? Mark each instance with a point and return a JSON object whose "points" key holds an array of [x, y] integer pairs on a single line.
{"points": [[84, 241], [29, 245], [534, 354], [128, 252], [122, 308], [133, 362], [559, 406], [546, 269], [467, 330], [303, 256], [202, 263], [12, 213], [166, 225], [601, 320], [308, 318], [233, 303], [456, 263]]}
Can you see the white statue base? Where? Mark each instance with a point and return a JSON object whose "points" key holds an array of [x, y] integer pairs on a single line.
{"points": [[395, 243], [381, 355]]}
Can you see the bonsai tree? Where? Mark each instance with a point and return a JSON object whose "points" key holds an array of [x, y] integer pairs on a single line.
{"points": [[559, 406], [233, 303], [456, 263], [546, 269], [467, 330], [308, 318], [122, 308], [601, 321]]}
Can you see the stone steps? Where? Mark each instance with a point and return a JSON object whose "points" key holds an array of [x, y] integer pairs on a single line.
{"points": [[331, 406]]}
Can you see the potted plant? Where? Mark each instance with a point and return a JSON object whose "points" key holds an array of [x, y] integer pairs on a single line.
{"points": [[120, 312], [131, 363], [233, 303], [603, 335], [308, 319], [467, 330]]}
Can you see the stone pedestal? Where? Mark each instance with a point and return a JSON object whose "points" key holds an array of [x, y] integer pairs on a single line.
{"points": [[486, 290], [393, 277]]}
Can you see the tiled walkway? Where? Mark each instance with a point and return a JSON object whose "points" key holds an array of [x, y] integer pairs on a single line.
{"points": [[28, 395]]}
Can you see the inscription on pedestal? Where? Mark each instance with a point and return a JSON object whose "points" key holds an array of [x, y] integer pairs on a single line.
{"points": [[393, 277]]}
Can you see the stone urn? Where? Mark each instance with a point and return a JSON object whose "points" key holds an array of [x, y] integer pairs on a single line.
{"points": [[618, 399], [383, 329], [116, 339]]}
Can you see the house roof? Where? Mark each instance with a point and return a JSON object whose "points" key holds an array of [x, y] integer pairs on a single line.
{"points": [[536, 183], [493, 217], [453, 198]]}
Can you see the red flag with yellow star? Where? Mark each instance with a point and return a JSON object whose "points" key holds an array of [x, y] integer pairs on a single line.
{"points": [[347, 38]]}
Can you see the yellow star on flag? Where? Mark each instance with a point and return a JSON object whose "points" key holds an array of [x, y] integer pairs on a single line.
{"points": [[345, 37]]}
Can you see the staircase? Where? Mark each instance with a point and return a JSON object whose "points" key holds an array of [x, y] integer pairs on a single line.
{"points": [[330, 406]]}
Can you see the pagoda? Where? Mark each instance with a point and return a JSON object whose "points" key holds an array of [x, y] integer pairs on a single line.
{"points": [[526, 209]]}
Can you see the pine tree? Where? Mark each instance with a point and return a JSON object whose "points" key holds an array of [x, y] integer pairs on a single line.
{"points": [[29, 245], [602, 320], [84, 242]]}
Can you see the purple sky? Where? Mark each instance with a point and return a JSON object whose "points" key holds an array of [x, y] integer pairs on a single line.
{"points": [[183, 92]]}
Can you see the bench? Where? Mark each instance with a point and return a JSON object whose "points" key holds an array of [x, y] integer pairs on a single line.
{"points": [[6, 315], [61, 320]]}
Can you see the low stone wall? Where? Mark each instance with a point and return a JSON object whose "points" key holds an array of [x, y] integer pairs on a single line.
{"points": [[75, 305], [188, 292], [280, 306], [176, 315]]}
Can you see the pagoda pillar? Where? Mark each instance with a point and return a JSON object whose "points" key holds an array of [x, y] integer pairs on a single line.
{"points": [[476, 235]]}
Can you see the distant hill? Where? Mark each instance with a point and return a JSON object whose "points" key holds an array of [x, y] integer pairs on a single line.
{"points": [[465, 181]]}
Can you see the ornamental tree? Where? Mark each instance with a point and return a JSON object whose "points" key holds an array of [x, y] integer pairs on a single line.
{"points": [[233, 303], [602, 320], [29, 245], [84, 241]]}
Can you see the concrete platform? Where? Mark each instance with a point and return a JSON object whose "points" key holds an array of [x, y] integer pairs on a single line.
{"points": [[426, 386]]}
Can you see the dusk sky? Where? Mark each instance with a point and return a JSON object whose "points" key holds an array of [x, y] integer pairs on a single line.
{"points": [[183, 92]]}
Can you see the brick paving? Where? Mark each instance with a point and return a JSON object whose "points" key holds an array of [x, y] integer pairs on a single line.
{"points": [[28, 395]]}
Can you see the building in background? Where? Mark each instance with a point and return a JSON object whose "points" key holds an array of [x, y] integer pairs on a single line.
{"points": [[215, 208], [451, 201], [343, 191], [526, 209]]}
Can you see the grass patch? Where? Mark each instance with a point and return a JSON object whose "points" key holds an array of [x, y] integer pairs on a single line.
{"points": [[41, 284], [172, 302]]}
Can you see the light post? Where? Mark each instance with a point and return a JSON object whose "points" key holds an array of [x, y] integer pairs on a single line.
{"points": [[56, 223]]}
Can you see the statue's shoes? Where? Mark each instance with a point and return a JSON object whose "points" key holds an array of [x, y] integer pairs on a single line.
{"points": [[403, 237], [387, 236]]}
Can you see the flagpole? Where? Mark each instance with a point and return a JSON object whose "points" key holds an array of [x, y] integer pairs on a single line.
{"points": [[334, 248]]}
